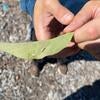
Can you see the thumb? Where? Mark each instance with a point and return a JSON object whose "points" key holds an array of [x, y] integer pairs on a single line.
{"points": [[62, 14]]}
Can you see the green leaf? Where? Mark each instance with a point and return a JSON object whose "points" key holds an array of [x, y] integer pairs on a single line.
{"points": [[38, 49]]}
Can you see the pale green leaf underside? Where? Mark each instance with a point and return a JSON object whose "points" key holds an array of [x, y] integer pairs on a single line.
{"points": [[39, 49]]}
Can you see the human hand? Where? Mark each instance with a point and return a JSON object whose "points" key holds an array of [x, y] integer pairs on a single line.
{"points": [[50, 18], [86, 25]]}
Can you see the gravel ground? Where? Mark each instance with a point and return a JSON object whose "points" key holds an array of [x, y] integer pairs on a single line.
{"points": [[82, 81]]}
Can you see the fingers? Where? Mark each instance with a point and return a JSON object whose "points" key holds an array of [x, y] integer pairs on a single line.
{"points": [[92, 47], [40, 18], [62, 14], [84, 45], [44, 13], [88, 32], [89, 11]]}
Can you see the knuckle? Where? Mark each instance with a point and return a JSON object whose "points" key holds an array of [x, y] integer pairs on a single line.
{"points": [[91, 3], [50, 4], [47, 3], [92, 32]]}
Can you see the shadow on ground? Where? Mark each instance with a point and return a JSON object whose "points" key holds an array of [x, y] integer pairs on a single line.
{"points": [[89, 92], [82, 55]]}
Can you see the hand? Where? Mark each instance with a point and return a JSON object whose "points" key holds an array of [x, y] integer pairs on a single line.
{"points": [[50, 18], [86, 25]]}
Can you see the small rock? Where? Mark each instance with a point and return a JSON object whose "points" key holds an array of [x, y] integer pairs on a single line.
{"points": [[3, 26], [62, 69], [29, 89], [13, 38], [34, 70], [0, 71], [1, 13], [17, 77]]}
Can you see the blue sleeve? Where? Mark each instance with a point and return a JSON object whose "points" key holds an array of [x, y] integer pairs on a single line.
{"points": [[27, 6], [73, 5]]}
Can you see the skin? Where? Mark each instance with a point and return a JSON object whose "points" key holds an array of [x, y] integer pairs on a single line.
{"points": [[47, 17], [48, 23], [86, 26]]}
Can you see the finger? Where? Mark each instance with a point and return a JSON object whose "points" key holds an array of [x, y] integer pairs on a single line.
{"points": [[88, 12], [70, 44], [92, 47], [88, 32], [84, 44], [39, 19], [62, 14]]}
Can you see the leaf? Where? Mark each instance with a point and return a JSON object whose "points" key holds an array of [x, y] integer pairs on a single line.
{"points": [[38, 49]]}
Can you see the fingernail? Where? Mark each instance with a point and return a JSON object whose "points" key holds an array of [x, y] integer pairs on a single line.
{"points": [[68, 29], [66, 18], [70, 44]]}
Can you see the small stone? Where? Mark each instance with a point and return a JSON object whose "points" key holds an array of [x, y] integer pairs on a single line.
{"points": [[29, 89], [0, 71], [1, 13], [13, 38], [5, 7], [34, 70], [3, 26], [17, 77], [62, 69]]}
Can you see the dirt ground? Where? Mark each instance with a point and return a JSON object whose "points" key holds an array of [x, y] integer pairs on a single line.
{"points": [[82, 81]]}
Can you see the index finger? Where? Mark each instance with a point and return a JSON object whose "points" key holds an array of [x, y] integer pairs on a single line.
{"points": [[88, 32]]}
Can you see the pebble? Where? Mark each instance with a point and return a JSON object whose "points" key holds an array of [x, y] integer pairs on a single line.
{"points": [[17, 77], [5, 7], [29, 89], [13, 38], [34, 70], [62, 69], [0, 71]]}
